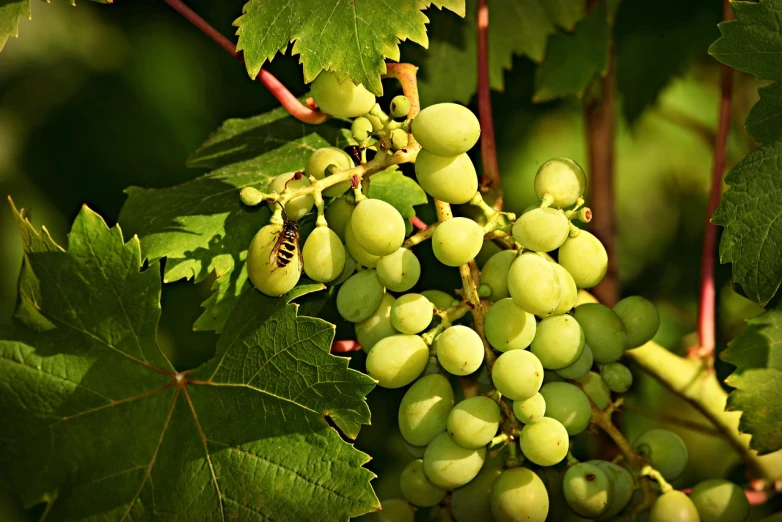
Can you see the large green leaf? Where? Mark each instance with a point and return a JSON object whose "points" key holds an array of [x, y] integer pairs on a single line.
{"points": [[757, 355], [98, 424]]}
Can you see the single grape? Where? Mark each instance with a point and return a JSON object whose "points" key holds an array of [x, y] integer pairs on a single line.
{"points": [[450, 466], [377, 124], [400, 271], [640, 318], [399, 139], [457, 241], [342, 99], [338, 216], [603, 330], [585, 257], [400, 106], [262, 267], [674, 506], [397, 360], [251, 196], [411, 313], [451, 179], [567, 404], [531, 410], [459, 350], [472, 502], [595, 388], [617, 377], [495, 273], [473, 422], [622, 486], [296, 208], [446, 129], [534, 285], [519, 494], [391, 510], [359, 297], [378, 227], [545, 442], [508, 326], [378, 326], [319, 162], [361, 128], [562, 179], [324, 255], [416, 487], [424, 410], [356, 251], [665, 450], [558, 342], [569, 293], [587, 490], [517, 374], [720, 501], [579, 368], [440, 299], [542, 229]]}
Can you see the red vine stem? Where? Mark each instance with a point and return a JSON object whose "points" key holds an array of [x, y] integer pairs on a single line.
{"points": [[297, 109]]}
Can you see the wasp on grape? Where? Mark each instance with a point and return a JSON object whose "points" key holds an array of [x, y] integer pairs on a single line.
{"points": [[287, 245]]}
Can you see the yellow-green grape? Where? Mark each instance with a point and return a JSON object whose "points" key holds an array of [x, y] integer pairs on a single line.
{"points": [[567, 404], [472, 502], [361, 128], [411, 313], [318, 165], [397, 360], [558, 342], [585, 257], [640, 318], [347, 271], [378, 227], [519, 494], [324, 255], [534, 284], [531, 410], [297, 207], [450, 466], [251, 196], [459, 350], [473, 422], [617, 377], [338, 216], [517, 374], [440, 299], [399, 272], [720, 501], [400, 106], [604, 331], [568, 288], [545, 442], [262, 268], [674, 506], [446, 129], [378, 326], [665, 450], [587, 490], [377, 124], [451, 179], [359, 297], [508, 326], [622, 486], [391, 510], [542, 229], [356, 251], [495, 273], [424, 410], [342, 99], [417, 489], [596, 389], [457, 241], [399, 139], [579, 368], [562, 179]]}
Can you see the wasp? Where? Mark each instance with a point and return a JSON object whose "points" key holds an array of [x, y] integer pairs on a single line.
{"points": [[287, 244]]}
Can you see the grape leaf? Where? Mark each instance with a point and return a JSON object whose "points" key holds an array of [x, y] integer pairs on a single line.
{"points": [[757, 355], [98, 424], [350, 37], [764, 122], [401, 192]]}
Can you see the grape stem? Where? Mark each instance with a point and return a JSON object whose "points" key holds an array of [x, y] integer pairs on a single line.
{"points": [[420, 236], [648, 471]]}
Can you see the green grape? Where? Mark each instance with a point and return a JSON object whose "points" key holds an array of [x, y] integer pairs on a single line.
{"points": [[569, 290], [324, 255], [347, 271], [399, 139], [567, 404], [451, 179], [562, 179], [545, 442], [459, 350], [579, 368], [440, 299], [457, 241], [473, 422], [356, 251], [359, 297], [361, 128], [296, 208], [472, 502], [446, 129], [558, 342], [665, 450], [262, 267], [508, 326], [251, 196], [378, 227], [596, 389], [400, 106], [338, 216], [391, 510], [531, 410], [587, 490], [377, 124], [617, 377], [534, 285], [424, 410], [416, 487], [674, 506], [378, 326], [400, 271], [495, 273], [519, 494], [318, 165], [450, 466], [397, 360], [517, 374], [342, 99], [585, 257], [415, 451], [411, 313], [720, 501], [622, 486], [640, 318], [542, 229], [603, 330]]}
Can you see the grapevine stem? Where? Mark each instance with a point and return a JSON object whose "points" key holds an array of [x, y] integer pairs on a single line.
{"points": [[297, 109], [648, 471], [420, 236]]}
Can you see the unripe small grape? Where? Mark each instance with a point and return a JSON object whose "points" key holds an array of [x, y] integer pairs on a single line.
{"points": [[297, 207], [617, 377], [561, 178], [451, 179], [531, 410], [400, 106], [640, 318], [457, 241], [399, 139], [361, 128], [446, 129], [342, 99]]}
